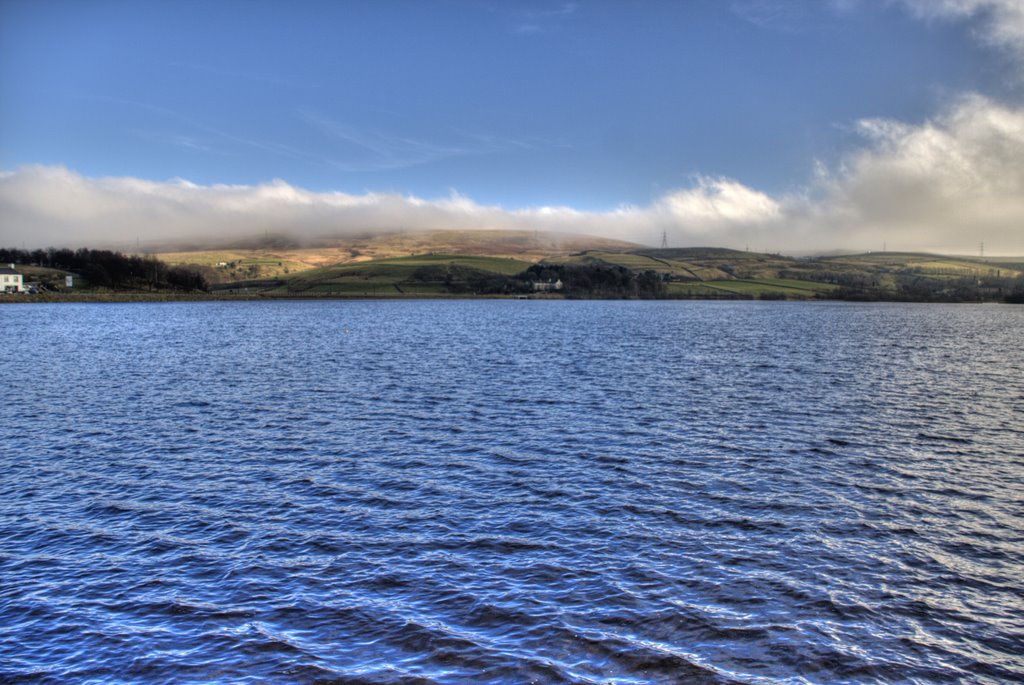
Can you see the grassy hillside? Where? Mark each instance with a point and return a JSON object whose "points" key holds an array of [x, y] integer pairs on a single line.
{"points": [[236, 265], [495, 263], [435, 274], [677, 273], [637, 261], [50, 279], [720, 272], [925, 263], [439, 275], [713, 272], [913, 276], [277, 257], [766, 288]]}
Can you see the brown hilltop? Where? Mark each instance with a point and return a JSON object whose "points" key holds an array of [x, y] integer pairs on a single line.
{"points": [[274, 255]]}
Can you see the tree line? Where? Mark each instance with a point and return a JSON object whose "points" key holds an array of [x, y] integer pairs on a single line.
{"points": [[578, 280], [915, 285], [114, 270], [598, 280]]}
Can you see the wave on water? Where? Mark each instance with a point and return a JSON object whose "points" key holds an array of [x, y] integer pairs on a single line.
{"points": [[549, 492]]}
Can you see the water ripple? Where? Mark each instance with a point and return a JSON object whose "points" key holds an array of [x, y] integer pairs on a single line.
{"points": [[443, 492]]}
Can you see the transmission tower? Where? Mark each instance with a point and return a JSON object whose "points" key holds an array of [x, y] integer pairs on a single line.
{"points": [[664, 240]]}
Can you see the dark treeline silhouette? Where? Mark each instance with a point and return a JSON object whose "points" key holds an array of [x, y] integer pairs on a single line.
{"points": [[1016, 296], [578, 281], [915, 285], [916, 288], [461, 279], [106, 269], [598, 280]]}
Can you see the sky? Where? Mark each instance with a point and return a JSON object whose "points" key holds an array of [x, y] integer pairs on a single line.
{"points": [[774, 125]]}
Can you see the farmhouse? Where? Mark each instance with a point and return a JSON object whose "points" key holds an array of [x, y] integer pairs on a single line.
{"points": [[10, 280], [548, 285]]}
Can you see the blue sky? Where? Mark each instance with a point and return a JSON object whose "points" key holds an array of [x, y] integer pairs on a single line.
{"points": [[590, 107]]}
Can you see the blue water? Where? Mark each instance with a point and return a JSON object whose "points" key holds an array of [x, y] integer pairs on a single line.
{"points": [[512, 491]]}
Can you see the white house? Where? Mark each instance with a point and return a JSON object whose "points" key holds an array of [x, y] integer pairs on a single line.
{"points": [[10, 280], [538, 285]]}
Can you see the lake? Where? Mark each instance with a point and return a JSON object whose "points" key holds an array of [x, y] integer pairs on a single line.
{"points": [[512, 491]]}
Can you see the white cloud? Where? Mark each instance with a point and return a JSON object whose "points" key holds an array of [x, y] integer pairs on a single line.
{"points": [[945, 184], [1001, 21], [56, 206], [719, 202], [942, 185]]}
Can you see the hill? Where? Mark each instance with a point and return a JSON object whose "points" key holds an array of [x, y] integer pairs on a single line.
{"points": [[512, 263], [707, 273], [720, 272], [277, 257], [419, 275]]}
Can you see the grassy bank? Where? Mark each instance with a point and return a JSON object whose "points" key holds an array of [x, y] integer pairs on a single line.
{"points": [[682, 273]]}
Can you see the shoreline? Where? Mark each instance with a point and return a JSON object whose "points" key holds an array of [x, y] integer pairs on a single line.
{"points": [[130, 297], [127, 297]]}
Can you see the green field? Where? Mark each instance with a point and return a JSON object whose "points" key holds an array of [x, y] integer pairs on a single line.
{"points": [[928, 264], [637, 261], [809, 287], [774, 288], [445, 263], [419, 275], [601, 272], [711, 274], [236, 265]]}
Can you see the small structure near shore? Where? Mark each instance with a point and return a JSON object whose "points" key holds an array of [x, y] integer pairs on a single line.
{"points": [[544, 286], [10, 280]]}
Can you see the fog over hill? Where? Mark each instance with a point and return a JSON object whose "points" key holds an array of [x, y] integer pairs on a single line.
{"points": [[943, 185], [529, 245]]}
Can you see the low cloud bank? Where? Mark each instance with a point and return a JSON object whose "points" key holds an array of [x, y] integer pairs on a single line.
{"points": [[943, 185]]}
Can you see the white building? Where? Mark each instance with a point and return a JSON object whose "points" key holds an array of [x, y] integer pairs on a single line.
{"points": [[10, 280], [544, 286]]}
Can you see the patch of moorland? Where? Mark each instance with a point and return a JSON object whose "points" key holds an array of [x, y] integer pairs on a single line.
{"points": [[236, 265], [276, 257], [700, 272], [908, 276], [425, 275], [706, 273]]}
